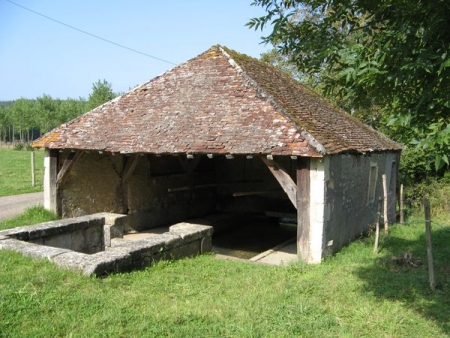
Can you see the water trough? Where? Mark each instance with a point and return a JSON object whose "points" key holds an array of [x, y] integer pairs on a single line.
{"points": [[94, 244]]}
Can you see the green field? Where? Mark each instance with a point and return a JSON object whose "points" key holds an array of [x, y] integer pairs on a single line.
{"points": [[15, 171], [354, 294]]}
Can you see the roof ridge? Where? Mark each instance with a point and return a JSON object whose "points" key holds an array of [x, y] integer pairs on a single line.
{"points": [[303, 132]]}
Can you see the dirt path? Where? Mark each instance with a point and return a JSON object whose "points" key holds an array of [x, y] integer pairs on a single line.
{"points": [[11, 206]]}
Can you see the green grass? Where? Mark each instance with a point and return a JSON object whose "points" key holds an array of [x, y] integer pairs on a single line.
{"points": [[15, 171], [31, 215], [353, 294]]}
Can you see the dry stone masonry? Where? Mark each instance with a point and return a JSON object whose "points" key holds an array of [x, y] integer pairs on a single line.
{"points": [[93, 244]]}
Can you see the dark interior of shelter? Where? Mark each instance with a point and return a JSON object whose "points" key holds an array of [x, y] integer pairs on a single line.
{"points": [[238, 195]]}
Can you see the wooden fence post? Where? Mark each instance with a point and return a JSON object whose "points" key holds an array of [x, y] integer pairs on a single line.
{"points": [[426, 205], [377, 230], [385, 198], [33, 172], [402, 209]]}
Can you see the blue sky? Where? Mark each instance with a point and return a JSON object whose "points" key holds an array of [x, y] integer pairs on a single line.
{"points": [[39, 56]]}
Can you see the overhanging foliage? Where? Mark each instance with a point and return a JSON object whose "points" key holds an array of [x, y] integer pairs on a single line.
{"points": [[392, 54]]}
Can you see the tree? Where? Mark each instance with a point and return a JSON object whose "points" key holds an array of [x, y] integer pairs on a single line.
{"points": [[101, 92], [26, 119], [70, 109], [3, 124], [21, 117], [389, 54], [47, 111], [283, 62]]}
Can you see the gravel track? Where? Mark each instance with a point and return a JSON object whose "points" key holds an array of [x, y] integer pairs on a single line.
{"points": [[11, 206]]}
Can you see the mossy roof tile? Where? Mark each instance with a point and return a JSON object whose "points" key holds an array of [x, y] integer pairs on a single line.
{"points": [[219, 102]]}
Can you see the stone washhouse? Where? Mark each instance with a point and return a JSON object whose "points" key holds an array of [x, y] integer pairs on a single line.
{"points": [[223, 133]]}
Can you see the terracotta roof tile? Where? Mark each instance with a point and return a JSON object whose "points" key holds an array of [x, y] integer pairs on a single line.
{"points": [[218, 102]]}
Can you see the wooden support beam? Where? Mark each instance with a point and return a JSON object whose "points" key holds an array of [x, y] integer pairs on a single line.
{"points": [[214, 185], [117, 163], [67, 166], [189, 163], [130, 165], [192, 164], [190, 187], [281, 214], [286, 182], [129, 168], [256, 192], [303, 210]]}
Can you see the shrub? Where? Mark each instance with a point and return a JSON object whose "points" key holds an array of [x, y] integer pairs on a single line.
{"points": [[436, 190], [421, 181], [18, 146]]}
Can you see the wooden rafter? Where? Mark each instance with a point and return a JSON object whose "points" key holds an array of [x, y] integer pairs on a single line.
{"points": [[129, 168], [67, 166], [189, 165], [286, 182]]}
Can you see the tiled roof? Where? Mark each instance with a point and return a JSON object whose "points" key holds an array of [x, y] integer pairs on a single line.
{"points": [[219, 102]]}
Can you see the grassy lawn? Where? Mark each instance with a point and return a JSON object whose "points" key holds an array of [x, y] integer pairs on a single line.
{"points": [[30, 216], [353, 294], [15, 171]]}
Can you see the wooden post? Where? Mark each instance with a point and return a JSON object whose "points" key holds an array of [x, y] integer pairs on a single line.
{"points": [[303, 199], [385, 198], [377, 230], [33, 172], [130, 165], [402, 210], [426, 205]]}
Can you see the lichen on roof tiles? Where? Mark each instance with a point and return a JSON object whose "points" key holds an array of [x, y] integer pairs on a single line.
{"points": [[219, 102]]}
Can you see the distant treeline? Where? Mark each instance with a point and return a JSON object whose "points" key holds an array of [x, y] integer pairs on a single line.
{"points": [[24, 120]]}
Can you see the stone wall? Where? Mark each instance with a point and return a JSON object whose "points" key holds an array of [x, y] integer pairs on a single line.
{"points": [[161, 190], [85, 234], [348, 208], [93, 185], [168, 189], [55, 241]]}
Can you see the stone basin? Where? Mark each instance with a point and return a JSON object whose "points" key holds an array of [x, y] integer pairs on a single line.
{"points": [[92, 244]]}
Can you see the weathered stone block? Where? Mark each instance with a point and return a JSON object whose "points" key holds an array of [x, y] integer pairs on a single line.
{"points": [[170, 240], [104, 263], [206, 244], [106, 235], [30, 249], [88, 235], [188, 249], [190, 232], [71, 260]]}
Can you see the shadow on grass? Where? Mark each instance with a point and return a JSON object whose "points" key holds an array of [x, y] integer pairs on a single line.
{"points": [[394, 277]]}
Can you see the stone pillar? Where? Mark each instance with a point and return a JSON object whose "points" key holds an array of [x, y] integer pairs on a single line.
{"points": [[311, 208], [50, 174], [318, 169]]}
